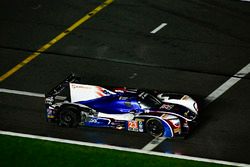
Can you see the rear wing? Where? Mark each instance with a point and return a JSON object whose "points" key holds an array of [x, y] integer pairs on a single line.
{"points": [[64, 84]]}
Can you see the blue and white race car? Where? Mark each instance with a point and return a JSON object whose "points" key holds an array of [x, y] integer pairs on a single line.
{"points": [[73, 104]]}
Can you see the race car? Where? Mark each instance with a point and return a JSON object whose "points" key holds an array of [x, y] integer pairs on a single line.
{"points": [[73, 104]]}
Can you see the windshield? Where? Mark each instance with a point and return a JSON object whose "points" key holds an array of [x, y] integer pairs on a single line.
{"points": [[148, 101]]}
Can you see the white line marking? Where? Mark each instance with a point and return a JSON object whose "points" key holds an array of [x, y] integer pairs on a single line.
{"points": [[155, 142], [18, 92], [121, 148], [211, 97], [245, 0], [228, 84], [158, 28]]}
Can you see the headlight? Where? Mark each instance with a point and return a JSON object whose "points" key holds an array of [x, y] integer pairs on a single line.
{"points": [[195, 107]]}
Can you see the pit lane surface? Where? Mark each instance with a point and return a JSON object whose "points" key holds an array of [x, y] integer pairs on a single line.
{"points": [[203, 44]]}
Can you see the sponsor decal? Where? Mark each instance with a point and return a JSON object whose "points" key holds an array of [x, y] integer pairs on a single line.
{"points": [[133, 126], [74, 86], [93, 120], [140, 124], [167, 106]]}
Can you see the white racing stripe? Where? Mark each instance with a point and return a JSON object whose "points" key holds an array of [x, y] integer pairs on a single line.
{"points": [[158, 28], [18, 92], [121, 148]]}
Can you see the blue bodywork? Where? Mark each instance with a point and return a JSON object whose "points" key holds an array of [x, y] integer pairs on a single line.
{"points": [[114, 104], [122, 103]]}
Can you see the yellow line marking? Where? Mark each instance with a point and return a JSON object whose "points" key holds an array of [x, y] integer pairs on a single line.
{"points": [[55, 40]]}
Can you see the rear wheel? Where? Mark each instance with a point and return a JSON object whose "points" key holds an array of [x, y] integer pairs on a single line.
{"points": [[155, 127], [69, 117]]}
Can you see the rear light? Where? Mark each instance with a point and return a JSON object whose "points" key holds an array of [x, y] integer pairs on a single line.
{"points": [[195, 107]]}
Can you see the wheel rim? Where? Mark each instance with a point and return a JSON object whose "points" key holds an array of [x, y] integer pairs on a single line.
{"points": [[155, 127], [68, 118]]}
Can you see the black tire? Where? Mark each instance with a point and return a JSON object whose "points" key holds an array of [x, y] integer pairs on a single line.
{"points": [[69, 116], [154, 127]]}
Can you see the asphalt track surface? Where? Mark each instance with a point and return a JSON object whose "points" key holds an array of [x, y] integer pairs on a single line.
{"points": [[203, 44]]}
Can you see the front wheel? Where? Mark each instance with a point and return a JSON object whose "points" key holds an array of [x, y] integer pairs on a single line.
{"points": [[69, 117], [154, 127]]}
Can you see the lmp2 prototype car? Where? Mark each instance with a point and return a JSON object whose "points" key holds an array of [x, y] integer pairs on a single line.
{"points": [[73, 104]]}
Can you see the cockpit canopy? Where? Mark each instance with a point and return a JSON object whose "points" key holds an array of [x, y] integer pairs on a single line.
{"points": [[147, 101]]}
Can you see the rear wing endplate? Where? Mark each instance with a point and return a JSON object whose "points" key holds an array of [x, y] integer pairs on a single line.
{"points": [[61, 86]]}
